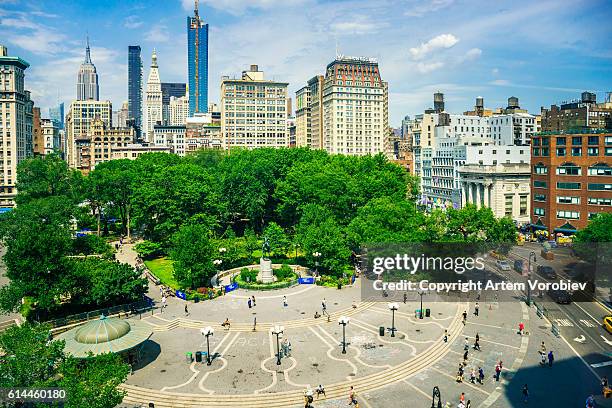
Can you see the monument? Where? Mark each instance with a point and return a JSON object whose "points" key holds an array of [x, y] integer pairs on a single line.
{"points": [[265, 264]]}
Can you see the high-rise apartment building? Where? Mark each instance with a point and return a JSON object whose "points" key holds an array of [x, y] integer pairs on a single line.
{"points": [[81, 116], [254, 111], [153, 108], [197, 59], [56, 114], [178, 111], [50, 137], [578, 115], [15, 123], [303, 131], [571, 179], [355, 107], [135, 86], [87, 79], [105, 140], [315, 84]]}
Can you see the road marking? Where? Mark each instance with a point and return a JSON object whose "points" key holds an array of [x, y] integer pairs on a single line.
{"points": [[580, 357], [588, 314], [464, 382], [563, 322], [604, 364], [606, 340], [417, 389], [493, 342], [580, 339], [586, 323]]}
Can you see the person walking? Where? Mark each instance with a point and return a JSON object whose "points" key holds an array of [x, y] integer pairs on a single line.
{"points": [[551, 358], [320, 390], [249, 303], [497, 372], [253, 297], [542, 358], [285, 304], [468, 404], [466, 345], [477, 337], [352, 400], [465, 356], [464, 317], [476, 308], [543, 348], [186, 310], [405, 297], [446, 336], [473, 376], [590, 402], [462, 398], [480, 375], [476, 345], [525, 393], [521, 328], [460, 373], [163, 304]]}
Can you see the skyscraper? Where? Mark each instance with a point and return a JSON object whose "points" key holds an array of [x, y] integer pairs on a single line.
{"points": [[197, 51], [135, 85], [170, 89], [87, 79], [57, 115], [153, 100]]}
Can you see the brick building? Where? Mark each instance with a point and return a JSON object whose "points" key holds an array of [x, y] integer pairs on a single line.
{"points": [[571, 179]]}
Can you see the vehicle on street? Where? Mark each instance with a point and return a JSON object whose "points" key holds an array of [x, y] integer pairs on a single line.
{"points": [[607, 323], [518, 265], [547, 271], [503, 265], [560, 296]]}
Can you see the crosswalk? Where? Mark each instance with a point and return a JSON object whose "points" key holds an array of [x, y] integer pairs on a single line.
{"points": [[564, 323], [587, 323]]}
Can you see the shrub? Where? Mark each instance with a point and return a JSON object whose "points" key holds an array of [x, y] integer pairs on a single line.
{"points": [[248, 275], [148, 249], [284, 272], [91, 244]]}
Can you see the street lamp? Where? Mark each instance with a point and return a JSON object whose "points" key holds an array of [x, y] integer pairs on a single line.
{"points": [[316, 256], [278, 330], [343, 321], [531, 254], [217, 262], [207, 331], [436, 394], [421, 293], [222, 250], [393, 307]]}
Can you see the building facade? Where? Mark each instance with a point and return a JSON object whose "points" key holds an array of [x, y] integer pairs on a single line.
{"points": [[16, 123], [87, 79], [135, 86], [578, 115], [79, 119], [254, 111], [303, 130], [135, 150], [153, 107], [571, 179], [57, 115], [197, 60], [105, 140], [50, 137], [38, 146], [178, 110]]}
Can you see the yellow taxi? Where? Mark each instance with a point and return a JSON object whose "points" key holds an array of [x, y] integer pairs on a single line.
{"points": [[607, 323]]}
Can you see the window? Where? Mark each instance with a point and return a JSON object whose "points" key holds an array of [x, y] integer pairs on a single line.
{"points": [[539, 197], [593, 140], [608, 151], [569, 169], [561, 151], [568, 215], [592, 215], [560, 141], [539, 211], [539, 184], [593, 151], [545, 141], [608, 140], [568, 200], [523, 205], [577, 151], [577, 141], [536, 151], [600, 170], [540, 168], [600, 201], [545, 151], [599, 187], [568, 186], [536, 141], [509, 200]]}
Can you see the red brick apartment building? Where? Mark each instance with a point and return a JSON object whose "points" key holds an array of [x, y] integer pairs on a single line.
{"points": [[571, 179]]}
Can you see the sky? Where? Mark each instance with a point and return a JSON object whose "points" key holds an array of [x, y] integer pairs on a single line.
{"points": [[542, 51]]}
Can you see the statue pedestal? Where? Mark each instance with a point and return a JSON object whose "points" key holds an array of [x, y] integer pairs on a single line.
{"points": [[265, 271]]}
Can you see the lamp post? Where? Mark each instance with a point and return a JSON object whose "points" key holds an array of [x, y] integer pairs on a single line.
{"points": [[421, 293], [316, 256], [531, 254], [207, 331], [393, 307], [278, 330], [436, 394], [343, 321]]}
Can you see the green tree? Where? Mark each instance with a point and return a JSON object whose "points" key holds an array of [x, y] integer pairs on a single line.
{"points": [[593, 243], [192, 252], [279, 241]]}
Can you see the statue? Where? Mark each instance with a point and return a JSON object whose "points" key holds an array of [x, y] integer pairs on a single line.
{"points": [[265, 248]]}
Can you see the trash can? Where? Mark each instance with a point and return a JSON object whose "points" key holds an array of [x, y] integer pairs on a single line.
{"points": [[381, 331], [427, 312], [199, 356], [196, 299], [189, 356]]}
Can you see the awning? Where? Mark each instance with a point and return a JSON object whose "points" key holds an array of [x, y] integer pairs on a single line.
{"points": [[565, 230], [538, 227]]}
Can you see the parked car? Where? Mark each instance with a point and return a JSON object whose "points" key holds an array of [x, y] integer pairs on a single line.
{"points": [[560, 296], [503, 265], [607, 323], [547, 271], [518, 265]]}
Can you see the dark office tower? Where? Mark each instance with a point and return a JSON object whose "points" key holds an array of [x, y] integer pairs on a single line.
{"points": [[197, 53], [176, 89], [135, 86]]}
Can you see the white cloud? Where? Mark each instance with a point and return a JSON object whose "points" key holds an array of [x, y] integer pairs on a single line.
{"points": [[427, 67], [239, 7], [500, 82], [425, 7], [132, 22], [357, 25], [442, 41], [472, 54], [158, 34]]}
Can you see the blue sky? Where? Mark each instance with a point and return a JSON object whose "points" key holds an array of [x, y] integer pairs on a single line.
{"points": [[543, 51]]}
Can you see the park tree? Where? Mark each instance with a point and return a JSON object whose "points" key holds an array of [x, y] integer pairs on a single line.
{"points": [[193, 253], [594, 242], [279, 241]]}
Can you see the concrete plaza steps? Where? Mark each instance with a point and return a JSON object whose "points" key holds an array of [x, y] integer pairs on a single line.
{"points": [[286, 399]]}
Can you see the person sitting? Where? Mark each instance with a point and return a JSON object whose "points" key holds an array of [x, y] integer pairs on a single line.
{"points": [[317, 315], [226, 324], [320, 390]]}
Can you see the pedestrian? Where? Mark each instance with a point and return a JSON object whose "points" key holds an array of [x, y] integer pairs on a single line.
{"points": [[465, 356], [460, 373], [525, 393], [462, 397], [320, 390], [405, 297], [468, 404], [446, 336], [476, 307], [590, 402], [352, 400], [285, 301], [473, 376], [253, 297], [543, 347], [521, 328], [476, 345], [324, 306], [480, 375], [497, 372], [551, 358], [163, 303], [186, 310], [604, 385], [461, 405], [249, 302], [464, 317], [466, 346], [542, 358], [477, 337]]}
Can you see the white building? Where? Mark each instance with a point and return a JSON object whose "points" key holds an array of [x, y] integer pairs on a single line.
{"points": [[50, 136], [172, 137], [153, 109], [178, 110], [81, 115], [513, 128], [253, 111]]}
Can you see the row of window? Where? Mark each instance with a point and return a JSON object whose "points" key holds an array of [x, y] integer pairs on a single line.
{"points": [[574, 186], [576, 141], [574, 151], [563, 214]]}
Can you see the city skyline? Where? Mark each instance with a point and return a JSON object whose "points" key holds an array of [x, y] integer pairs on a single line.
{"points": [[427, 46]]}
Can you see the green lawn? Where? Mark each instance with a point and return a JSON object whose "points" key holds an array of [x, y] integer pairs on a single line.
{"points": [[162, 268]]}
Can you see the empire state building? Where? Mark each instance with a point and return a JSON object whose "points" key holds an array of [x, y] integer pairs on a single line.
{"points": [[87, 80]]}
